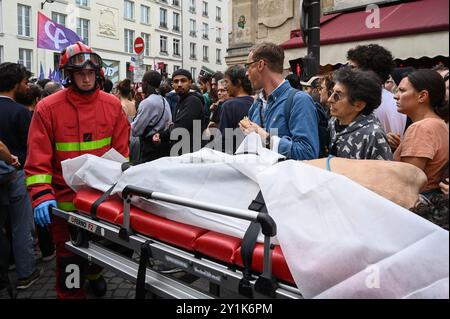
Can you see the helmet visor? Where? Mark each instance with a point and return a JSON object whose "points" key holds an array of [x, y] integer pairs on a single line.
{"points": [[80, 60]]}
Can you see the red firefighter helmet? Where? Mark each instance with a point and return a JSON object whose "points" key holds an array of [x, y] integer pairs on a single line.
{"points": [[79, 56]]}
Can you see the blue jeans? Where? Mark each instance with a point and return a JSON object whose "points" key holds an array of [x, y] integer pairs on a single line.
{"points": [[22, 226]]}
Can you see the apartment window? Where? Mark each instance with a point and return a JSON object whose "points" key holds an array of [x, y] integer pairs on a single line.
{"points": [[146, 38], [128, 10], [176, 22], [83, 30], [145, 14], [193, 28], [192, 6], [59, 18], [128, 40], [176, 47], [163, 18], [219, 35], [176, 67], [1, 54], [23, 20], [83, 3], [219, 56], [194, 73], [205, 31], [176, 3], [218, 14], [193, 48], [205, 8], [205, 53], [25, 58], [163, 44]]}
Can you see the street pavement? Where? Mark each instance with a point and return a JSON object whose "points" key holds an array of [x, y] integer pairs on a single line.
{"points": [[44, 287]]}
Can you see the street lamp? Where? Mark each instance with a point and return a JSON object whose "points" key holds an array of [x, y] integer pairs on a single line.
{"points": [[42, 3]]}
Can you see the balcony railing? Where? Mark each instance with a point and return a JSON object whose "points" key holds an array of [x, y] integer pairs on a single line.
{"points": [[163, 25], [219, 40], [192, 9], [176, 28], [193, 34]]}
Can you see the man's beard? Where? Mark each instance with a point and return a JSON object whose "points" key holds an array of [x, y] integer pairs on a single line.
{"points": [[22, 97]]}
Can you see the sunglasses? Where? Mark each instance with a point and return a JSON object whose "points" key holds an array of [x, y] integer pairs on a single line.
{"points": [[336, 97]]}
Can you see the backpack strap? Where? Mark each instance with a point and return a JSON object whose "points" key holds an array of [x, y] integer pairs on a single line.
{"points": [[288, 105]]}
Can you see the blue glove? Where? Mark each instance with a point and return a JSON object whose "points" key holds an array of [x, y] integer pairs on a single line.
{"points": [[42, 213]]}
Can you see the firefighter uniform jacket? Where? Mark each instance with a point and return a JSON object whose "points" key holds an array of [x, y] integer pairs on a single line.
{"points": [[66, 125]]}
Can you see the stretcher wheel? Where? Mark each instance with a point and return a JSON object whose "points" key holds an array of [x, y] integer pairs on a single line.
{"points": [[79, 238]]}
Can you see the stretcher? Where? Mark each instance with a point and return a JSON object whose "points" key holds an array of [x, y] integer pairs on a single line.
{"points": [[212, 256]]}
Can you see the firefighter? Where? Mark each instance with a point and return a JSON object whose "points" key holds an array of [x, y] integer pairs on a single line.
{"points": [[81, 119]]}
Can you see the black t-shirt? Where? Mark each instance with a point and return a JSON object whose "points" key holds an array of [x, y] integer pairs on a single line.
{"points": [[233, 111], [14, 124]]}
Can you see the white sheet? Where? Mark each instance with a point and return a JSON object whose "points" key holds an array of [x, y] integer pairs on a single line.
{"points": [[339, 239]]}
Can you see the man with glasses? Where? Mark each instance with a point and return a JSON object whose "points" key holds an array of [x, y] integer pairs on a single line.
{"points": [[355, 132], [81, 119], [291, 132]]}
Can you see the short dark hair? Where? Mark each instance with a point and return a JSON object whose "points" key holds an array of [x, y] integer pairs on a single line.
{"points": [[108, 86], [34, 92], [42, 82], [150, 82], [205, 78], [373, 57], [434, 84], [218, 76], [361, 86], [12, 74], [236, 74], [271, 53]]}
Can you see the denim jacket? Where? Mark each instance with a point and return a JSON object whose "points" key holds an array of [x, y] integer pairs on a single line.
{"points": [[298, 139]]}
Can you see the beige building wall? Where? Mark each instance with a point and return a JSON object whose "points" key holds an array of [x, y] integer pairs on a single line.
{"points": [[256, 21]]}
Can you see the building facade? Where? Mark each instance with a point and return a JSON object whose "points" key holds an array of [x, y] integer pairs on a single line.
{"points": [[205, 35], [110, 27]]}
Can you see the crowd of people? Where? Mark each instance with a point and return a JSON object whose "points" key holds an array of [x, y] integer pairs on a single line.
{"points": [[365, 110]]}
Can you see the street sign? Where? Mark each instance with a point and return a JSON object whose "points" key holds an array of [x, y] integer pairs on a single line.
{"points": [[139, 45]]}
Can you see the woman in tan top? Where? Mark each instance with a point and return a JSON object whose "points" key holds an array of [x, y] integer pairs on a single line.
{"points": [[124, 91], [421, 96]]}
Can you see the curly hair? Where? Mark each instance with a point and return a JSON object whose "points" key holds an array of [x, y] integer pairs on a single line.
{"points": [[361, 86], [373, 57]]}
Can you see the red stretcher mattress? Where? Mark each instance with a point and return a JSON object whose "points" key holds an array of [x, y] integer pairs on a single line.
{"points": [[194, 239]]}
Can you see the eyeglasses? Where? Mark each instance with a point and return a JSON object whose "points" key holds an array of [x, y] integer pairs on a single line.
{"points": [[247, 65], [335, 96]]}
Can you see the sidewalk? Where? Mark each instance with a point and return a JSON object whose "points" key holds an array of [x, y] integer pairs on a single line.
{"points": [[44, 288]]}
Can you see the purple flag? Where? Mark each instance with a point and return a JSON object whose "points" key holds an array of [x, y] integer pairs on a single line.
{"points": [[54, 36], [41, 73]]}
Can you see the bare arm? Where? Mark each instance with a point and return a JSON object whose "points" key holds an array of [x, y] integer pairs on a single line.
{"points": [[5, 155], [420, 162]]}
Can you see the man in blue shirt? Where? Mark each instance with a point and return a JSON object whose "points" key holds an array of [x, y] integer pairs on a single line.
{"points": [[294, 136]]}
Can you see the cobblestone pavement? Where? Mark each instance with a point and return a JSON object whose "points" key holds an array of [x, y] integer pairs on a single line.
{"points": [[44, 287]]}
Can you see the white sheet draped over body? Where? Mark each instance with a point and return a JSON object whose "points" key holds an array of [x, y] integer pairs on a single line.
{"points": [[340, 240]]}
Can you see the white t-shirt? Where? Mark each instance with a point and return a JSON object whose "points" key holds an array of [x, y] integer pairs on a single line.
{"points": [[390, 119]]}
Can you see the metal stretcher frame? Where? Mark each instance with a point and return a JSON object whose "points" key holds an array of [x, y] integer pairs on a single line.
{"points": [[217, 274]]}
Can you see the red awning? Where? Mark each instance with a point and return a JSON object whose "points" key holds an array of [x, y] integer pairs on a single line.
{"points": [[402, 19]]}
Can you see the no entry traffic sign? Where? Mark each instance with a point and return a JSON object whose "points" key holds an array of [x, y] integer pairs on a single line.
{"points": [[139, 45]]}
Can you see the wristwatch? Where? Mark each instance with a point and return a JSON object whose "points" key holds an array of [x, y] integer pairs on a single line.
{"points": [[267, 142]]}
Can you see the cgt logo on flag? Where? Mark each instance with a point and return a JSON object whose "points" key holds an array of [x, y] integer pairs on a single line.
{"points": [[54, 36]]}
